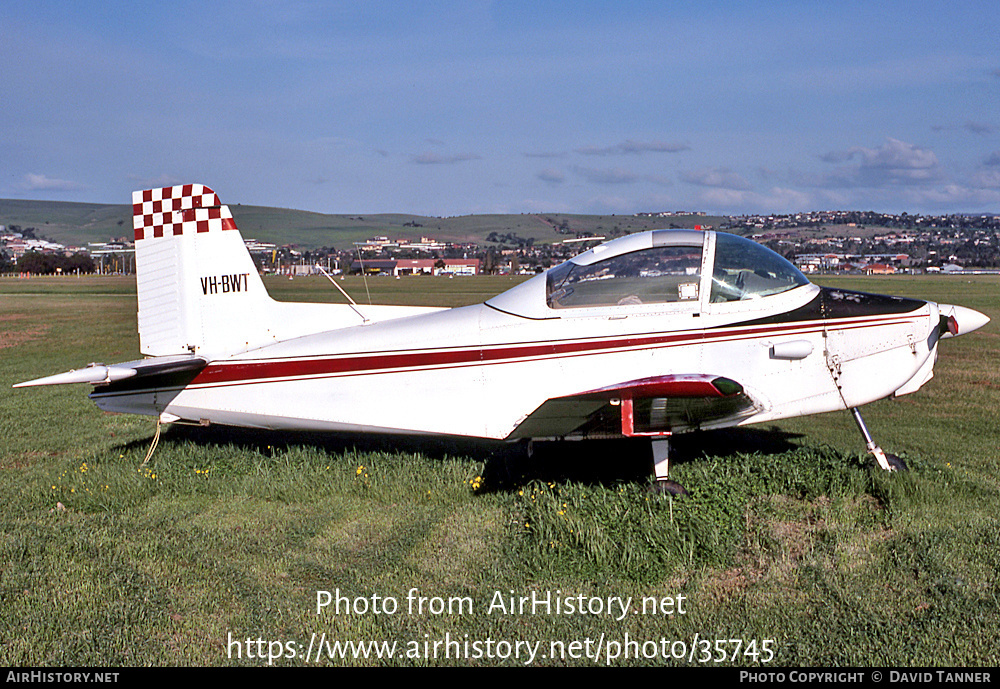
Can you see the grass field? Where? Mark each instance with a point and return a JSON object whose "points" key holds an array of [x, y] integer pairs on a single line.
{"points": [[792, 550]]}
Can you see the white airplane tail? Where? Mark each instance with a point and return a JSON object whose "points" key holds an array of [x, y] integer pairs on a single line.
{"points": [[199, 290]]}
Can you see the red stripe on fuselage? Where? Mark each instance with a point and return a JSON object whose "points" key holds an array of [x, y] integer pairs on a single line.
{"points": [[272, 370]]}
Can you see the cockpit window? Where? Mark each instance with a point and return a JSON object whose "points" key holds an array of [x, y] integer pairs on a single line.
{"points": [[652, 276], [747, 270]]}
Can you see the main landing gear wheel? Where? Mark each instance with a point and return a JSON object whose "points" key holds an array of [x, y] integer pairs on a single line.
{"points": [[661, 467], [668, 488]]}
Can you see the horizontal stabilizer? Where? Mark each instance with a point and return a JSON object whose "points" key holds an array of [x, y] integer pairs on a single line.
{"points": [[100, 374]]}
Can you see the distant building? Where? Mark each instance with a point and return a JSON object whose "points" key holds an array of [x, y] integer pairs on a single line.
{"points": [[461, 266], [374, 266], [420, 266]]}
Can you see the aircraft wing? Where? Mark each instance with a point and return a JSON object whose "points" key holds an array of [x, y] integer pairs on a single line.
{"points": [[660, 405], [100, 374]]}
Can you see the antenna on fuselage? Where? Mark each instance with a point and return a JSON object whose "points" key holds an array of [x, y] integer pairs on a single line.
{"points": [[353, 304], [364, 278]]}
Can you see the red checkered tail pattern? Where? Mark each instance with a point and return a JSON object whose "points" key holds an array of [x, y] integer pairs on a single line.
{"points": [[173, 211]]}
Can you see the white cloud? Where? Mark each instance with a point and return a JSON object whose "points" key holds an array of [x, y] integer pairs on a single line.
{"points": [[720, 177], [545, 154], [33, 182], [895, 162], [952, 195], [898, 155], [726, 199], [618, 175], [775, 200], [987, 179], [652, 147], [551, 176], [632, 147], [606, 176]]}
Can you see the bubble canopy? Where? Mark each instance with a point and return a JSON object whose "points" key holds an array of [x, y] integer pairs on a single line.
{"points": [[747, 270], [679, 269]]}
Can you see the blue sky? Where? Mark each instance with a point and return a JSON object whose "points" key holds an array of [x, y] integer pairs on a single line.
{"points": [[444, 108]]}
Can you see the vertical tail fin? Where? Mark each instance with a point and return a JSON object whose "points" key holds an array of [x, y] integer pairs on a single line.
{"points": [[198, 288]]}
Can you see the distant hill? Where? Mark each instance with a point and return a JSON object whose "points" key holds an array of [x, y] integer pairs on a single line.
{"points": [[75, 224]]}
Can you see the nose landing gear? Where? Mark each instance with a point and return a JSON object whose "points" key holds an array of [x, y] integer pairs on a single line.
{"points": [[887, 461]]}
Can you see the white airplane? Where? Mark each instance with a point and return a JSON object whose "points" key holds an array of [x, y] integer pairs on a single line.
{"points": [[650, 334]]}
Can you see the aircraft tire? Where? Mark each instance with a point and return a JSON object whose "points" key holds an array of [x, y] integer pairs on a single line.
{"points": [[668, 488], [896, 463]]}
